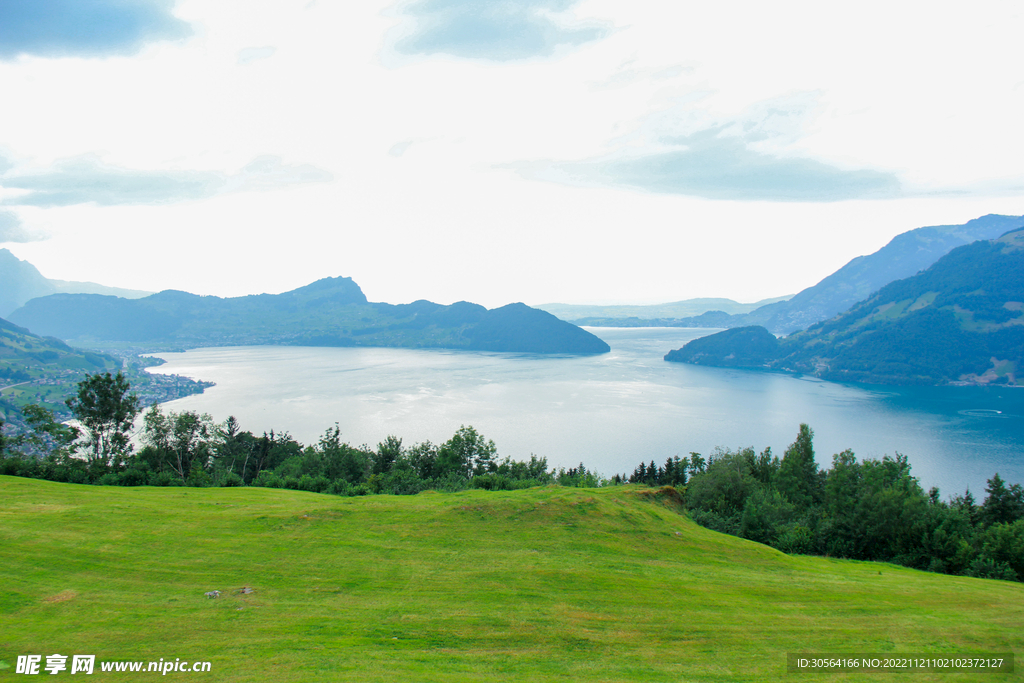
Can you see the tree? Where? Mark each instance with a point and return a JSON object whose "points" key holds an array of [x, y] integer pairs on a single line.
{"points": [[465, 454], [388, 452], [48, 435], [797, 477], [107, 410], [185, 442]]}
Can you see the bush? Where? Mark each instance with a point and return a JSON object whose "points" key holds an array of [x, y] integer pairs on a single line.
{"points": [[232, 479], [268, 479], [163, 479], [986, 568]]}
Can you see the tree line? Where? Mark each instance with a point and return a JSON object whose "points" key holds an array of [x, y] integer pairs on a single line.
{"points": [[857, 509], [189, 449]]}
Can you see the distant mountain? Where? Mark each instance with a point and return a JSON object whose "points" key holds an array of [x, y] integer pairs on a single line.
{"points": [[961, 320], [21, 281], [329, 312], [586, 314], [905, 255]]}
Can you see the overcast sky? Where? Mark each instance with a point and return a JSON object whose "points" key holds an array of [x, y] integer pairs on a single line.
{"points": [[498, 150]]}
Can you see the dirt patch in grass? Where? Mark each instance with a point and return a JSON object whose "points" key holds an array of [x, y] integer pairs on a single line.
{"points": [[63, 596], [666, 495]]}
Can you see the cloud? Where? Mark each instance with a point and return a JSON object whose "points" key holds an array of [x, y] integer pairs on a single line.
{"points": [[749, 157], [399, 148], [87, 179], [253, 54], [270, 172], [93, 28], [498, 30], [714, 166], [11, 229]]}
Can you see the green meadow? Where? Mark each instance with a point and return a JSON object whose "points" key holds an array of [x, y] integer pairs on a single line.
{"points": [[543, 584]]}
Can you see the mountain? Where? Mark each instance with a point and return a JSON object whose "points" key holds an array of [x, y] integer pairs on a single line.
{"points": [[21, 281], [905, 255], [617, 315], [961, 320], [328, 312]]}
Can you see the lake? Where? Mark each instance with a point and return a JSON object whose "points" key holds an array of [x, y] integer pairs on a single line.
{"points": [[609, 411]]}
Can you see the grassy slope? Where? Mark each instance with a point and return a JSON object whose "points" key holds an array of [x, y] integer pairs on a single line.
{"points": [[543, 584]]}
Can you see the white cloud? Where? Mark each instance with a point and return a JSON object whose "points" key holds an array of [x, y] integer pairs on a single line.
{"points": [[87, 179], [254, 54], [12, 230]]}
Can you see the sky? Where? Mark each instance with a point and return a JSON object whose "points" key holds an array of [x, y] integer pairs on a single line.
{"points": [[589, 151]]}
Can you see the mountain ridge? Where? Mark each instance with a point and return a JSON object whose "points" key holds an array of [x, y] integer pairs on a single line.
{"points": [[327, 312]]}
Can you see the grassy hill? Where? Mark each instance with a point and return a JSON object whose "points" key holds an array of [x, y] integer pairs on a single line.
{"points": [[36, 369], [46, 371], [548, 584]]}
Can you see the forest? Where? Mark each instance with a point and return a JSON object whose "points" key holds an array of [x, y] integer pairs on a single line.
{"points": [[857, 509]]}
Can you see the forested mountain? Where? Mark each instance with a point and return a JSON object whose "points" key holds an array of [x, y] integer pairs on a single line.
{"points": [[20, 281], [328, 312], [961, 320]]}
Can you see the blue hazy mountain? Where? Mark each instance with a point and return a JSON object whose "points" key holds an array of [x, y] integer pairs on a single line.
{"points": [[905, 255], [21, 281], [328, 312]]}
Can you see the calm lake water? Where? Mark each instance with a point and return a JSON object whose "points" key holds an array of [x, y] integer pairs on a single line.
{"points": [[609, 411]]}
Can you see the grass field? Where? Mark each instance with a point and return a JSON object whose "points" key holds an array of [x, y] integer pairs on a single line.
{"points": [[547, 584]]}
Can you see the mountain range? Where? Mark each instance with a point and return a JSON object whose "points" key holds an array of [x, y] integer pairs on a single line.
{"points": [[905, 255], [642, 315], [21, 281], [328, 312], [959, 321]]}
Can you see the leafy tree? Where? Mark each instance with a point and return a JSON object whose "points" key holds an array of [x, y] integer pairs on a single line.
{"points": [[339, 460], [536, 469], [388, 452], [184, 442], [107, 410], [48, 433], [696, 463], [723, 487], [465, 454], [422, 458], [1004, 544], [765, 514]]}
